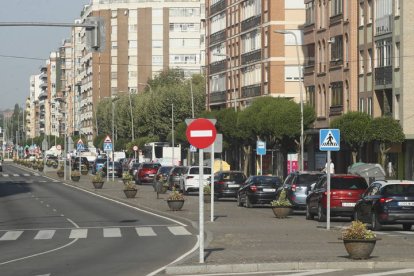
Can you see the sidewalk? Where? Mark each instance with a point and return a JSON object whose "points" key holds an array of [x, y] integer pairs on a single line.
{"points": [[251, 240]]}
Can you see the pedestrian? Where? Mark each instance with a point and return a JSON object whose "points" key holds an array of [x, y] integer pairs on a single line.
{"points": [[332, 167]]}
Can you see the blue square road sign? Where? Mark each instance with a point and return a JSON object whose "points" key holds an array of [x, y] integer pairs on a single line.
{"points": [[329, 139]]}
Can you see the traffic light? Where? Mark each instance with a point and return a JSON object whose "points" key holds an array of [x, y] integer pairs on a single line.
{"points": [[95, 35]]}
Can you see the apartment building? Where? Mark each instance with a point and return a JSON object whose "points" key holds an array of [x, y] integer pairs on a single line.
{"points": [[385, 65], [246, 59], [33, 117], [142, 39]]}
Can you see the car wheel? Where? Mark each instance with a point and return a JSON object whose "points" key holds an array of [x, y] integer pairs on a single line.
{"points": [[239, 203], [248, 204], [321, 214], [375, 224], [407, 226], [309, 215]]}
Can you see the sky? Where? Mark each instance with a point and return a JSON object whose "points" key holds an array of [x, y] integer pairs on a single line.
{"points": [[24, 49]]}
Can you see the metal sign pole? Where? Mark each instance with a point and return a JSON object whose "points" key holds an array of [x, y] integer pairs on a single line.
{"points": [[261, 164], [201, 204], [328, 183], [107, 166], [212, 183]]}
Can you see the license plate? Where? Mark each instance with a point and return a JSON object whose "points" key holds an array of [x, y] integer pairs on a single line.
{"points": [[406, 203], [269, 190], [348, 204], [233, 185], [151, 174]]}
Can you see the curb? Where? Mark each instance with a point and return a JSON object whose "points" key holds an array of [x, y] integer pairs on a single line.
{"points": [[272, 267]]}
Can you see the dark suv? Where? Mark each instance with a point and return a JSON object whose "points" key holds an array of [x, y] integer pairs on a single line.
{"points": [[297, 184], [227, 183], [346, 190]]}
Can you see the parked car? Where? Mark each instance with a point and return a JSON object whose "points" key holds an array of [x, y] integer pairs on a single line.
{"points": [[346, 190], [297, 184], [258, 189], [112, 167], [146, 172], [387, 202], [134, 168], [1, 165], [97, 167], [227, 183], [75, 162], [191, 179], [162, 174], [176, 176]]}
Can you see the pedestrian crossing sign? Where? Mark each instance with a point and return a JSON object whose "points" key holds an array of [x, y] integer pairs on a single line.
{"points": [[329, 139]]}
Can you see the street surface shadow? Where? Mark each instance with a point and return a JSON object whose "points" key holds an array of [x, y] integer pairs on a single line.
{"points": [[13, 188], [211, 250], [219, 216]]}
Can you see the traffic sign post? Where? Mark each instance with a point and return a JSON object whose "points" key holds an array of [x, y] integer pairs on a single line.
{"points": [[261, 150], [329, 140], [107, 147], [135, 148], [201, 133]]}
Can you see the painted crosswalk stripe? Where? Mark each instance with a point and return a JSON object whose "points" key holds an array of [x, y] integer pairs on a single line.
{"points": [[26, 174], [45, 234], [15, 174], [145, 231], [112, 232], [11, 235], [78, 234], [36, 174], [5, 175], [394, 272], [179, 230]]}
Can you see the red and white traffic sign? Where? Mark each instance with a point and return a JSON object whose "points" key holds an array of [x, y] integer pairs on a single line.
{"points": [[135, 148], [201, 133], [58, 147], [108, 139], [80, 141]]}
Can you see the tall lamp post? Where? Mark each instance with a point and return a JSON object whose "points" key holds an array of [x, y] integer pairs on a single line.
{"points": [[152, 98], [232, 74], [132, 117], [301, 93]]}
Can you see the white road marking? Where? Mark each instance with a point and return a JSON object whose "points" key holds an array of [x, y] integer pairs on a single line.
{"points": [[145, 231], [26, 174], [45, 234], [406, 232], [112, 233], [381, 233], [36, 174], [11, 235], [78, 234], [400, 271], [201, 133], [179, 231], [15, 174], [5, 175]]}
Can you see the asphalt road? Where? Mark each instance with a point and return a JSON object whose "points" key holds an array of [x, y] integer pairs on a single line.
{"points": [[48, 228]]}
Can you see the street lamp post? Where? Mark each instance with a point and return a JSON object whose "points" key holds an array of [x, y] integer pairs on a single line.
{"points": [[232, 74], [152, 98], [132, 117], [300, 91]]}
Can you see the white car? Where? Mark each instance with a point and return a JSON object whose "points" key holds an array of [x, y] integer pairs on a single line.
{"points": [[191, 179]]}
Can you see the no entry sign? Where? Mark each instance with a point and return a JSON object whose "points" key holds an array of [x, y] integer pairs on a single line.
{"points": [[201, 133]]}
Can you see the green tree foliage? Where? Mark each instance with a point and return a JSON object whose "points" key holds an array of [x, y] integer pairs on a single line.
{"points": [[386, 131]]}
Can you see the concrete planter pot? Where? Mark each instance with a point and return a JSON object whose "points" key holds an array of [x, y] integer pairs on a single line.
{"points": [[60, 173], [359, 249], [84, 172], [97, 184], [75, 178], [175, 205], [130, 193], [281, 212]]}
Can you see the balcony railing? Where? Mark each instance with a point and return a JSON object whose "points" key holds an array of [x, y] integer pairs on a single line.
{"points": [[218, 66], [218, 37], [251, 91], [251, 22], [336, 110], [218, 7], [383, 25], [218, 97], [251, 56], [383, 75]]}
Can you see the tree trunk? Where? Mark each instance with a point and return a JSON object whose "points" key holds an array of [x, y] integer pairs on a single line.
{"points": [[383, 152], [247, 151], [354, 157]]}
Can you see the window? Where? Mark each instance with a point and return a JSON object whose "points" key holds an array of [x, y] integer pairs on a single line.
{"points": [[251, 8], [361, 14], [397, 55], [310, 55], [397, 7], [361, 105], [218, 83], [157, 44], [369, 61], [336, 7], [184, 12], [114, 44], [132, 44], [369, 106], [157, 28], [337, 49], [361, 62], [157, 60], [369, 11], [310, 12], [251, 41], [337, 93], [383, 53], [310, 96]]}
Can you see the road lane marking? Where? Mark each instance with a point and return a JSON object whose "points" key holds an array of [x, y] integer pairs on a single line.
{"points": [[15, 174], [26, 174], [112, 233], [400, 271], [11, 235], [45, 234], [179, 231], [78, 234], [5, 175], [406, 232], [145, 231]]}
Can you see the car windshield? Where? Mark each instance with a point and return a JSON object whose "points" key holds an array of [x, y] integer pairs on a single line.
{"points": [[353, 183], [266, 180], [180, 170], [196, 170], [306, 179], [151, 166], [232, 176], [100, 161], [398, 189], [164, 169]]}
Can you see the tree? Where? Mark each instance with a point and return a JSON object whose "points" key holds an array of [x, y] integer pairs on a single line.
{"points": [[386, 131], [355, 130]]}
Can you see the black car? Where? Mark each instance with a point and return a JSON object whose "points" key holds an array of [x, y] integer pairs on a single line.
{"points": [[112, 167], [298, 185], [75, 162], [227, 183], [386, 203], [176, 175], [258, 189]]}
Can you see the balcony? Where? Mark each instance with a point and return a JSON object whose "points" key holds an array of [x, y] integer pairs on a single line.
{"points": [[336, 110], [250, 91], [218, 7], [383, 75], [42, 96], [336, 62], [309, 69], [43, 76], [383, 25], [43, 85], [251, 23], [218, 97], [218, 66], [252, 56], [218, 37]]}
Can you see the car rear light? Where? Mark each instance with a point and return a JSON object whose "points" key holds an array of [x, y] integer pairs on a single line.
{"points": [[188, 177], [220, 182], [293, 188], [385, 200], [253, 188]]}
